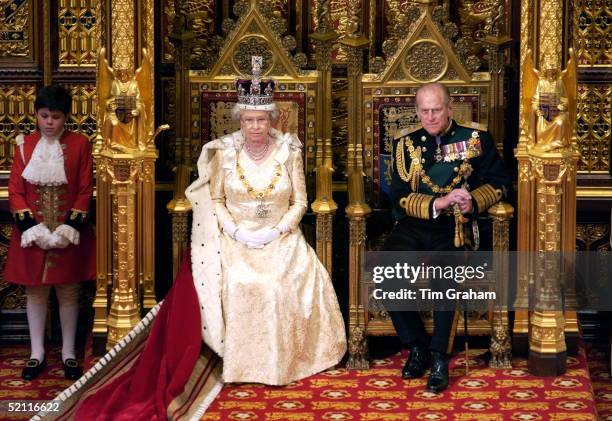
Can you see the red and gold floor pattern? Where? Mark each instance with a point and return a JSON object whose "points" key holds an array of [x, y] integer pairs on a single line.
{"points": [[380, 394], [376, 394], [599, 368]]}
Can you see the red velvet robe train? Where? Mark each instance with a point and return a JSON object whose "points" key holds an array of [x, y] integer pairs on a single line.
{"points": [[163, 368]]}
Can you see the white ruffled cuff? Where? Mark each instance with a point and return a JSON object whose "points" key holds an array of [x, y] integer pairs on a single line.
{"points": [[29, 236], [68, 233]]}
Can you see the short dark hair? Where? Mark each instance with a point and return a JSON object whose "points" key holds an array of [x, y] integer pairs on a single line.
{"points": [[53, 97]]}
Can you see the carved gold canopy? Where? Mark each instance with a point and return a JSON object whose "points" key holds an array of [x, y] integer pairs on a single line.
{"points": [[424, 55], [213, 92]]}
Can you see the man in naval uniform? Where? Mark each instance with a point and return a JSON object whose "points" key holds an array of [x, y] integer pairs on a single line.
{"points": [[443, 173]]}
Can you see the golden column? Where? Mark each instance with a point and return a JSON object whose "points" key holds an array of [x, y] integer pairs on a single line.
{"points": [[549, 108], [357, 210], [500, 347], [542, 42], [179, 207], [324, 205], [125, 156]]}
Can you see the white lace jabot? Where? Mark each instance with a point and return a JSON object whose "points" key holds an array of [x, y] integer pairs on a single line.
{"points": [[46, 167]]}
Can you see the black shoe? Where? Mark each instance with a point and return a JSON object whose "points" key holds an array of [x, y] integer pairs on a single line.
{"points": [[33, 369], [72, 371], [417, 363], [438, 377]]}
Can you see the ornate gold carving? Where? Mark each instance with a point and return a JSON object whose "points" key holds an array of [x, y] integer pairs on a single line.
{"points": [[17, 109], [12, 296], [125, 106], [77, 33], [206, 45], [249, 46], [122, 21], [324, 239], [259, 30], [49, 204], [549, 106], [358, 349], [588, 234], [82, 119], [592, 32], [15, 28], [125, 308], [339, 125], [500, 347], [527, 10], [425, 61], [425, 36], [477, 20], [551, 34], [593, 128]]}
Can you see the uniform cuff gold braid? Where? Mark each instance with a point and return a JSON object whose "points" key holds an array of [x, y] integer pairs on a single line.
{"points": [[417, 205], [485, 197], [20, 213], [75, 213]]}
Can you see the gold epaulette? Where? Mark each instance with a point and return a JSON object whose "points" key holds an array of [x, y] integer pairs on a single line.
{"points": [[486, 196], [405, 132], [417, 205], [473, 125]]}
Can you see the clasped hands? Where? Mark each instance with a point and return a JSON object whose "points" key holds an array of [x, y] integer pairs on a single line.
{"points": [[250, 238], [460, 197], [40, 235]]}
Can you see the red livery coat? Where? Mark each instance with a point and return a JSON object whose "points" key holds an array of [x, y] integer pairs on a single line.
{"points": [[33, 265]]}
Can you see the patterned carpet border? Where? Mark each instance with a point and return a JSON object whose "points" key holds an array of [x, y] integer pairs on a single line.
{"points": [[375, 394], [380, 394]]}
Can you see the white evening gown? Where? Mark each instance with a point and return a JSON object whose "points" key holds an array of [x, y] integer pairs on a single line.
{"points": [[282, 319]]}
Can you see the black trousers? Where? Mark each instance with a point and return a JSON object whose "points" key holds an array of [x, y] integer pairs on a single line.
{"points": [[411, 234]]}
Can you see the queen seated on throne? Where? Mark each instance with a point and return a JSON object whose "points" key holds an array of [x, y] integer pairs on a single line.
{"points": [[254, 303]]}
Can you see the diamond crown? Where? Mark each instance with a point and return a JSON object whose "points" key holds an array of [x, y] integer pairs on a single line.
{"points": [[255, 92]]}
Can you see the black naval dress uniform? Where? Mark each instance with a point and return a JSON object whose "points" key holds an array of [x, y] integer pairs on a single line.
{"points": [[445, 160]]}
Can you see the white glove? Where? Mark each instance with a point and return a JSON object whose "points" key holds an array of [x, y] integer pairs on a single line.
{"points": [[229, 228], [38, 233], [46, 241], [67, 233], [247, 237], [266, 235], [58, 241], [257, 239]]}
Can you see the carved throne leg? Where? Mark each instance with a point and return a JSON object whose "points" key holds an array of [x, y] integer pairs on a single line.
{"points": [[358, 349]]}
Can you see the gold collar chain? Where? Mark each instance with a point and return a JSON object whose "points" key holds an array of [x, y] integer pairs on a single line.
{"points": [[254, 193], [464, 171]]}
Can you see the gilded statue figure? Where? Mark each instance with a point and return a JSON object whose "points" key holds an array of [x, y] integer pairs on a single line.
{"points": [[125, 105], [549, 105]]}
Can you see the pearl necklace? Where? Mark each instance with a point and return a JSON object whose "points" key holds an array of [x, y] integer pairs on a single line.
{"points": [[258, 155]]}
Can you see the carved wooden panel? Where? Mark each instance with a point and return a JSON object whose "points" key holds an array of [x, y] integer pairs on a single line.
{"points": [[12, 297], [593, 32], [76, 22], [84, 109], [16, 116], [593, 127], [16, 36]]}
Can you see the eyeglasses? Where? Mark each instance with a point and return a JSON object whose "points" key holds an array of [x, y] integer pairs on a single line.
{"points": [[250, 122]]}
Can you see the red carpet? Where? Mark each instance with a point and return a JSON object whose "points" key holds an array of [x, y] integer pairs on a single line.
{"points": [[599, 368], [377, 394], [43, 389], [380, 394]]}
